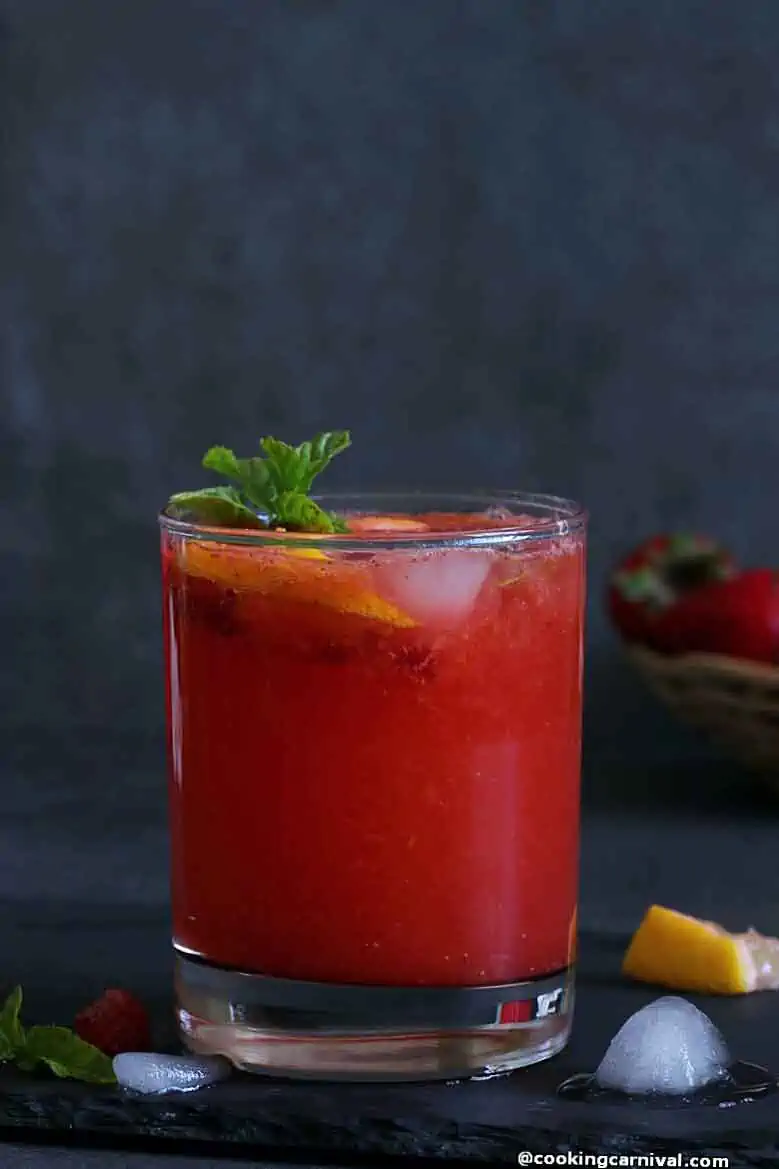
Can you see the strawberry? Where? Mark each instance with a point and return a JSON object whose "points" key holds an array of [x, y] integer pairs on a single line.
{"points": [[114, 1023], [738, 618], [655, 576]]}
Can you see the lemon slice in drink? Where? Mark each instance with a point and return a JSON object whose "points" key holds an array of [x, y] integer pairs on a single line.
{"points": [[378, 525], [685, 953], [301, 575]]}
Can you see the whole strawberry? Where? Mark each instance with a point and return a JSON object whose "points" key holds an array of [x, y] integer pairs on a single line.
{"points": [[114, 1023], [738, 618], [653, 579]]}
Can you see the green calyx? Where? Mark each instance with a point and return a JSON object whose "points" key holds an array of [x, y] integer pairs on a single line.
{"points": [[269, 490], [644, 586], [57, 1048], [685, 562]]}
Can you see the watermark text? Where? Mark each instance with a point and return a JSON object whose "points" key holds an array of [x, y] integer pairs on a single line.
{"points": [[628, 1160]]}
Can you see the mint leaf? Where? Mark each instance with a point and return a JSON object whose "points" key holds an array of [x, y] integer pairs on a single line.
{"points": [[292, 470], [286, 470], [251, 474], [221, 506], [276, 483], [314, 456], [69, 1057], [59, 1048], [223, 461], [11, 1030], [302, 514], [326, 446], [295, 468], [256, 483]]}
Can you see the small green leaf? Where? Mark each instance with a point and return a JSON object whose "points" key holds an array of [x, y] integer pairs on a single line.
{"points": [[222, 460], [326, 446], [283, 465], [277, 485], [316, 455], [69, 1057], [251, 474], [301, 514], [257, 484], [11, 1029], [304, 472], [221, 506]]}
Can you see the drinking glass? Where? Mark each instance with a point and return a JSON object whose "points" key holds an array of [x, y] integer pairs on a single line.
{"points": [[374, 758]]}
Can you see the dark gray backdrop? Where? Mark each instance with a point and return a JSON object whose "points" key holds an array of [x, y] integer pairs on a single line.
{"points": [[528, 244]]}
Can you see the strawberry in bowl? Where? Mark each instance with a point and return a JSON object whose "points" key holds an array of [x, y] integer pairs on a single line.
{"points": [[682, 593], [704, 634]]}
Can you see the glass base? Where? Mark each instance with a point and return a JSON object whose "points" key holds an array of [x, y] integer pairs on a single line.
{"points": [[305, 1030]]}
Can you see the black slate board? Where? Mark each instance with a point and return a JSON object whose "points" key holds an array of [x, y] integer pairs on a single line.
{"points": [[478, 1121]]}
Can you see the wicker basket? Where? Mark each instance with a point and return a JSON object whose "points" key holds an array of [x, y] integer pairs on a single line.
{"points": [[735, 703]]}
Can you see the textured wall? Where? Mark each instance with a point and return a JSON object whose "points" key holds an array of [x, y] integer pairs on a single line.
{"points": [[544, 232]]}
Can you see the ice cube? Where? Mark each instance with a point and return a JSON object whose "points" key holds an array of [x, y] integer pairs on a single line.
{"points": [[438, 585], [668, 1047], [154, 1073]]}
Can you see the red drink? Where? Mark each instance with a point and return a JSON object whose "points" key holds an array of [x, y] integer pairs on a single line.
{"points": [[374, 756]]}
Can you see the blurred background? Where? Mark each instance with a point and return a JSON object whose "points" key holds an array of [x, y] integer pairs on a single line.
{"points": [[530, 245]]}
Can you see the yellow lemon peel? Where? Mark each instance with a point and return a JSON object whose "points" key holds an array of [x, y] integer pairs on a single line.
{"points": [[292, 574], [675, 950]]}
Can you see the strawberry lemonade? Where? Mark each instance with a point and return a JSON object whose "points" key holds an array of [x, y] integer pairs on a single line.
{"points": [[374, 749]]}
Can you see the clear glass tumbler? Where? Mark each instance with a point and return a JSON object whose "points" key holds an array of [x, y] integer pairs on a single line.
{"points": [[374, 757]]}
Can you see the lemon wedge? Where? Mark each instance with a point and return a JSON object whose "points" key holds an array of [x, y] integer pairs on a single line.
{"points": [[686, 953], [366, 525], [305, 553], [301, 575]]}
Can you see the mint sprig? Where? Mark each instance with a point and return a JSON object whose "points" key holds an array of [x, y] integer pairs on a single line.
{"points": [[271, 489], [57, 1048], [221, 506]]}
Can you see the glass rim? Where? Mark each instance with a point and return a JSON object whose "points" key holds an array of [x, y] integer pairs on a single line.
{"points": [[558, 517]]}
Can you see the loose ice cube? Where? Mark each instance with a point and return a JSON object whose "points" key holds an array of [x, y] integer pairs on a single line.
{"points": [[435, 585], [153, 1073], [668, 1047]]}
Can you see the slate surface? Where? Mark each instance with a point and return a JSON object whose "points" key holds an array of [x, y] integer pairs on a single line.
{"points": [[17, 1156], [474, 1121]]}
